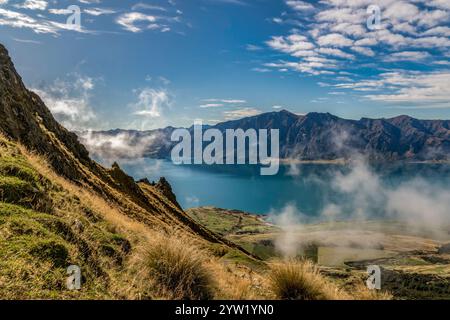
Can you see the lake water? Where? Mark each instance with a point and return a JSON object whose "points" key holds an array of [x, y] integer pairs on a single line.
{"points": [[313, 189]]}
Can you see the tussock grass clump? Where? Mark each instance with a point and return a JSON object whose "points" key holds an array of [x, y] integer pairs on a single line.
{"points": [[176, 269], [301, 280], [361, 292]]}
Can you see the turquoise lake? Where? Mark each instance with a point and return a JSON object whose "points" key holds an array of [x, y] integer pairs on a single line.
{"points": [[311, 188]]}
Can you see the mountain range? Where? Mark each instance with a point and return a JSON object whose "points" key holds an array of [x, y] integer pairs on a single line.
{"points": [[310, 137]]}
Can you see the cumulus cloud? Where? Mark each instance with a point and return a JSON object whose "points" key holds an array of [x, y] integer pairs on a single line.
{"points": [[299, 5], [408, 56], [34, 5], [415, 31], [334, 40], [151, 102], [128, 22], [110, 147], [430, 89], [69, 101]]}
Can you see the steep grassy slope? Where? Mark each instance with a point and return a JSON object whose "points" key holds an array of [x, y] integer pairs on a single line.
{"points": [[58, 207], [44, 228]]}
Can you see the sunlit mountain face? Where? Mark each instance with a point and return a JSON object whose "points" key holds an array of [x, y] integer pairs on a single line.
{"points": [[150, 64]]}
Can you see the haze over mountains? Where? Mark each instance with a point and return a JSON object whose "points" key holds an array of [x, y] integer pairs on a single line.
{"points": [[314, 136]]}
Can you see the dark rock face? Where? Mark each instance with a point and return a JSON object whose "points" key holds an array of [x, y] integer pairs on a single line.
{"points": [[444, 249], [322, 136], [166, 189], [25, 118]]}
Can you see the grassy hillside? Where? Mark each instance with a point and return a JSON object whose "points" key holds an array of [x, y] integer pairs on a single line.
{"points": [[48, 223]]}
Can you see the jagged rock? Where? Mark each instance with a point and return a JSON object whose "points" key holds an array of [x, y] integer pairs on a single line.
{"points": [[147, 182], [166, 189], [124, 181]]}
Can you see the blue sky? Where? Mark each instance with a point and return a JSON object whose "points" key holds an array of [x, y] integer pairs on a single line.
{"points": [[147, 64]]}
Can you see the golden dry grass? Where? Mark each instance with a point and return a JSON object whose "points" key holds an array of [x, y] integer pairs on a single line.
{"points": [[301, 280], [168, 267], [361, 292]]}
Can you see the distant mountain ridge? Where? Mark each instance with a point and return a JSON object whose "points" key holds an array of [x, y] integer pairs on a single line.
{"points": [[317, 136]]}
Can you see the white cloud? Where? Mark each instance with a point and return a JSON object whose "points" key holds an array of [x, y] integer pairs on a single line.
{"points": [[299, 5], [34, 5], [39, 24], [438, 31], [128, 22], [442, 4], [429, 89], [69, 101], [334, 36], [90, 1], [217, 103], [151, 102], [364, 51], [60, 11], [335, 52], [240, 113], [334, 40], [99, 11], [146, 6], [118, 147], [211, 105], [20, 20], [408, 56], [401, 11], [291, 44]]}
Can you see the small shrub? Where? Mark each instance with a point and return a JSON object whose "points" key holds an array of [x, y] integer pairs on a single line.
{"points": [[177, 269], [300, 280]]}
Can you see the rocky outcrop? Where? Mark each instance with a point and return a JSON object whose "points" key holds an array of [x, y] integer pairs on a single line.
{"points": [[444, 249], [26, 119], [166, 189]]}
